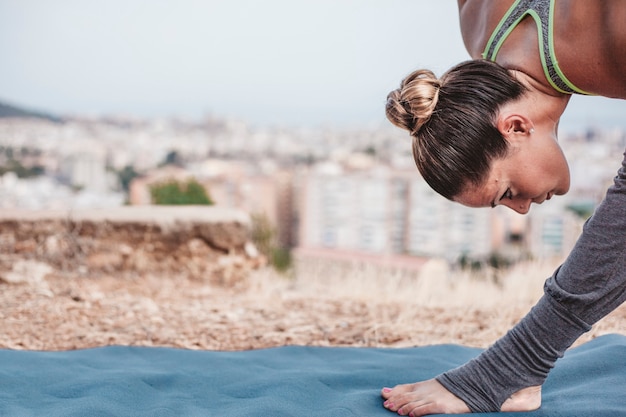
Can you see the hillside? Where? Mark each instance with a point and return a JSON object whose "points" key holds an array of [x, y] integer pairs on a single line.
{"points": [[7, 110]]}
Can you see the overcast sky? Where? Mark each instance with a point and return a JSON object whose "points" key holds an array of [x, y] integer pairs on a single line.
{"points": [[270, 62]]}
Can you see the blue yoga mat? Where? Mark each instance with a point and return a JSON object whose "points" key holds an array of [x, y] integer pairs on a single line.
{"points": [[589, 381]]}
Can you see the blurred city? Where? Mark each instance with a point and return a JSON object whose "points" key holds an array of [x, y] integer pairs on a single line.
{"points": [[325, 193]]}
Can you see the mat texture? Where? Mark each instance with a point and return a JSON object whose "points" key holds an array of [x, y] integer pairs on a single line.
{"points": [[286, 381]]}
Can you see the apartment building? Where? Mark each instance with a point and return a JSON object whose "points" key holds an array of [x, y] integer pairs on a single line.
{"points": [[387, 211]]}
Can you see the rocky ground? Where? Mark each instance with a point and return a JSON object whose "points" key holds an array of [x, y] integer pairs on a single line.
{"points": [[53, 311], [190, 278]]}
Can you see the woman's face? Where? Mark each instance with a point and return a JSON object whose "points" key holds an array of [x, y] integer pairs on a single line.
{"points": [[533, 172]]}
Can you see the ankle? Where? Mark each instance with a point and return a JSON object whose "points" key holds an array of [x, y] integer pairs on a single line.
{"points": [[526, 399]]}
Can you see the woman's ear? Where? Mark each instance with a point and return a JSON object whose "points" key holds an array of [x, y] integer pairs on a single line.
{"points": [[514, 126]]}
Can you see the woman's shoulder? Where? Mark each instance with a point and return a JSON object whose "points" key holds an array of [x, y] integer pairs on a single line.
{"points": [[590, 44], [577, 20], [589, 41], [478, 19]]}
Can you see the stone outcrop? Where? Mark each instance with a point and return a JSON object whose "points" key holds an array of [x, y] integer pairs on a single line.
{"points": [[200, 242]]}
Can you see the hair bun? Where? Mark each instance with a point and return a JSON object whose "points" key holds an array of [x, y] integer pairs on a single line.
{"points": [[411, 105]]}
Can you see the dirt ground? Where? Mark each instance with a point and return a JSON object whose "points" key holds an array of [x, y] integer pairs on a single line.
{"points": [[60, 312]]}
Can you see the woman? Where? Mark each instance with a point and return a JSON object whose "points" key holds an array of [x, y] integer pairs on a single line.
{"points": [[485, 134]]}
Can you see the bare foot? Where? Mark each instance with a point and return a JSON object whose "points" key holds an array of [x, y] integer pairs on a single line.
{"points": [[422, 398], [430, 397]]}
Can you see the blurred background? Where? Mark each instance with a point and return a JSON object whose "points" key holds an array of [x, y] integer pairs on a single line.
{"points": [[273, 107]]}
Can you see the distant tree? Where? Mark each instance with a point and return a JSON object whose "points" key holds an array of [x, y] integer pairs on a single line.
{"points": [[176, 193], [498, 261], [173, 158], [126, 175], [20, 170], [370, 150], [467, 262]]}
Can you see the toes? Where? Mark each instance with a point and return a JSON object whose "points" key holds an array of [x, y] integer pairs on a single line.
{"points": [[396, 391], [389, 405], [403, 403]]}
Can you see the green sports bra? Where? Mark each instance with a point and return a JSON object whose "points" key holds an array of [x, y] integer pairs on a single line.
{"points": [[542, 12]]}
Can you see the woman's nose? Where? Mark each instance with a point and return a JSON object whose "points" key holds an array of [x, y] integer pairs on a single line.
{"points": [[522, 206]]}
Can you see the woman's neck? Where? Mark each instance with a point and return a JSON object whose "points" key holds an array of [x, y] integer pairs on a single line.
{"points": [[547, 104]]}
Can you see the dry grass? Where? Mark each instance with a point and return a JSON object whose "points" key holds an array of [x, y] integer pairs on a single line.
{"points": [[323, 304], [434, 305], [435, 285]]}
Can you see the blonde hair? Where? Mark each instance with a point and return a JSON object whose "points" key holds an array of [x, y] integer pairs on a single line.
{"points": [[411, 105], [452, 121]]}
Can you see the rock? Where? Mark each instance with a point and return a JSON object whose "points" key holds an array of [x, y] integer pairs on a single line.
{"points": [[206, 243], [26, 271]]}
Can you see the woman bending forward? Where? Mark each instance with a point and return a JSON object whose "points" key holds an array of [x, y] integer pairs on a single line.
{"points": [[485, 134]]}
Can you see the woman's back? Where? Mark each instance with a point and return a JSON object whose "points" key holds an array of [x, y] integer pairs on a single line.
{"points": [[589, 41]]}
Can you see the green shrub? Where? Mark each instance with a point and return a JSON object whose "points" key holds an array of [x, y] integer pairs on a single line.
{"points": [[264, 238], [176, 193]]}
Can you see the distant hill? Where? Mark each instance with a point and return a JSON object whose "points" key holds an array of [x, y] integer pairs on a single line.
{"points": [[7, 110]]}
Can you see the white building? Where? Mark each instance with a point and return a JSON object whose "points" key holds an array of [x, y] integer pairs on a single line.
{"points": [[85, 168], [387, 211]]}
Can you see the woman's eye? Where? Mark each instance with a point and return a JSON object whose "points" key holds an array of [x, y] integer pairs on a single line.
{"points": [[508, 194]]}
